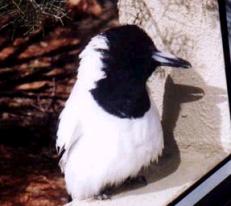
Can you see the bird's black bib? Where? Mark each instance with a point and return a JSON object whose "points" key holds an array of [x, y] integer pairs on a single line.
{"points": [[121, 99]]}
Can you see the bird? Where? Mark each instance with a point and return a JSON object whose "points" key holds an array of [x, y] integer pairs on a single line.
{"points": [[110, 127]]}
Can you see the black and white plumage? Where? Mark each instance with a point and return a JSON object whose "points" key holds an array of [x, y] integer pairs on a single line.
{"points": [[109, 128]]}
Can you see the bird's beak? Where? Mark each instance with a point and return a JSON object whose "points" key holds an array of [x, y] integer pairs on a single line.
{"points": [[166, 59]]}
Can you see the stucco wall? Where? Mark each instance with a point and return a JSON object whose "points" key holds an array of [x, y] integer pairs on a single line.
{"points": [[193, 103]]}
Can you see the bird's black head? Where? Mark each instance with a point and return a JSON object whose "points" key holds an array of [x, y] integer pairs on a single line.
{"points": [[132, 53], [129, 58]]}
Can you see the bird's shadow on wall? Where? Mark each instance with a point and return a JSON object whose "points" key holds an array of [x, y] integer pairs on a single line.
{"points": [[175, 95]]}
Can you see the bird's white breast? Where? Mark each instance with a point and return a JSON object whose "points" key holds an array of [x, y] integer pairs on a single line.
{"points": [[110, 149]]}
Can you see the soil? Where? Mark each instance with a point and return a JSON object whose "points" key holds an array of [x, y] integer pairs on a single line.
{"points": [[37, 73]]}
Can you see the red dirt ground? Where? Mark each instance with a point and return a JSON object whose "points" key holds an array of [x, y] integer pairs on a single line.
{"points": [[36, 75]]}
